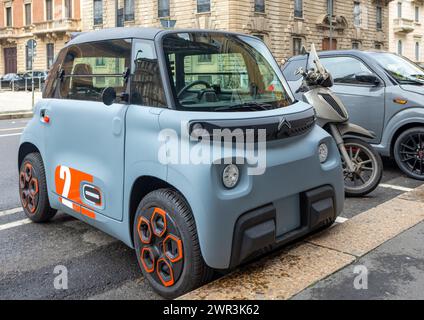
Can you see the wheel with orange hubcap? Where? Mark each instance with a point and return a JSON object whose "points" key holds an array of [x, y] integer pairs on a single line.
{"points": [[33, 189], [167, 246]]}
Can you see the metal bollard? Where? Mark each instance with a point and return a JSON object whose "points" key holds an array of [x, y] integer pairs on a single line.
{"points": [[39, 84], [13, 85], [26, 85]]}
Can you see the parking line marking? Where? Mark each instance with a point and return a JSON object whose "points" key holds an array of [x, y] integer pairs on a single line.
{"points": [[12, 129], [14, 224], [10, 135], [341, 220], [399, 188], [10, 211]]}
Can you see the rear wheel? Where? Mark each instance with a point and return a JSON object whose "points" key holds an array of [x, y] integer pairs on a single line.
{"points": [[167, 245], [409, 152], [33, 189]]}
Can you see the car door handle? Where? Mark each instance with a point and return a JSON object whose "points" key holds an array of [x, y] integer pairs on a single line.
{"points": [[44, 117]]}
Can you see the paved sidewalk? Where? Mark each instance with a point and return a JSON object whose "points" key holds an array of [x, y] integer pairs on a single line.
{"points": [[394, 270], [17, 102], [289, 272]]}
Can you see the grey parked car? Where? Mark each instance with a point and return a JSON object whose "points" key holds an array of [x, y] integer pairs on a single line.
{"points": [[384, 93]]}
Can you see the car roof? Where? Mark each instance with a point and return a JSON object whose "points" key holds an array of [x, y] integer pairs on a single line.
{"points": [[353, 52], [128, 33]]}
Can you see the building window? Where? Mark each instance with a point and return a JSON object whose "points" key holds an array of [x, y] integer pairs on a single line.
{"points": [[50, 54], [378, 46], [417, 52], [417, 14], [400, 47], [355, 45], [298, 8], [129, 10], [399, 9], [100, 62], [68, 9], [163, 9], [29, 53], [259, 36], [27, 14], [260, 6], [98, 12], [49, 10], [203, 6], [120, 17], [297, 46], [330, 7], [357, 14], [205, 58], [379, 18], [9, 16]]}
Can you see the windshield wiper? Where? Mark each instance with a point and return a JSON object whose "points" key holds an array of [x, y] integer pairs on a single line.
{"points": [[253, 106]]}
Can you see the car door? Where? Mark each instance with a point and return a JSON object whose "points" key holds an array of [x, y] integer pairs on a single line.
{"points": [[365, 102], [85, 138]]}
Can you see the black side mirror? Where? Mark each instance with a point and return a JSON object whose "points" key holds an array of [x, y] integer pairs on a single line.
{"points": [[367, 78], [108, 96]]}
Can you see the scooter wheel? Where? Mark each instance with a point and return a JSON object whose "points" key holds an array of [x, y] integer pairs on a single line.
{"points": [[368, 168]]}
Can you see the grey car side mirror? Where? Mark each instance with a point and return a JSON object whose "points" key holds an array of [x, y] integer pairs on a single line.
{"points": [[367, 78], [108, 96]]}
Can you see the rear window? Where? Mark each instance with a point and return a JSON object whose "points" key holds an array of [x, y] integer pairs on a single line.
{"points": [[291, 67]]}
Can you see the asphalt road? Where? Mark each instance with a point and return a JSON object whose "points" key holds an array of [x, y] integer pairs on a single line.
{"points": [[99, 267]]}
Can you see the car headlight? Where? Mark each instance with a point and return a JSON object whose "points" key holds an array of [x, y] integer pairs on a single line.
{"points": [[323, 152], [230, 176]]}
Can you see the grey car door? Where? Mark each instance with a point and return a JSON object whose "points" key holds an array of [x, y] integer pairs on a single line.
{"points": [[85, 137], [365, 102]]}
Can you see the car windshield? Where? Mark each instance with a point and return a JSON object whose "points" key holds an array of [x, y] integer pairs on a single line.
{"points": [[403, 70], [221, 72]]}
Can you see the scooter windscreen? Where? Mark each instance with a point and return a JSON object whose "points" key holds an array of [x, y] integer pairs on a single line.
{"points": [[314, 63]]}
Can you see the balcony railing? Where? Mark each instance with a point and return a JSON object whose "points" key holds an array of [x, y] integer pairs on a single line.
{"points": [[402, 25], [62, 25], [7, 32]]}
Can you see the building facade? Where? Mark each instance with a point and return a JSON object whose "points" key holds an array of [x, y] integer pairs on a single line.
{"points": [[33, 31], [285, 25], [406, 28]]}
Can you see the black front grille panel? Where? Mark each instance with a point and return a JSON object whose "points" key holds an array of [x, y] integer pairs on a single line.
{"points": [[279, 128]]}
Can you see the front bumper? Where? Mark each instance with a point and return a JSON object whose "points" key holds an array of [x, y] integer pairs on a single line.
{"points": [[256, 230], [292, 168]]}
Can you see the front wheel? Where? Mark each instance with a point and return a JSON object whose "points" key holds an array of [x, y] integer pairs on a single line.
{"points": [[409, 152], [167, 245], [368, 168]]}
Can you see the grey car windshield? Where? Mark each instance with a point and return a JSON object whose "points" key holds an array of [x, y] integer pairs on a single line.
{"points": [[401, 69], [222, 72]]}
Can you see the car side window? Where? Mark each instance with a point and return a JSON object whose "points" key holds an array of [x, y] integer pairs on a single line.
{"points": [[345, 69], [89, 68], [146, 82], [51, 87]]}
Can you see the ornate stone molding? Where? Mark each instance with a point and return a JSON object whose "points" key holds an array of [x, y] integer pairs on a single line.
{"points": [[340, 23]]}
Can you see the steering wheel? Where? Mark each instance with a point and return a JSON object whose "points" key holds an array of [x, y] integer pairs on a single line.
{"points": [[191, 85]]}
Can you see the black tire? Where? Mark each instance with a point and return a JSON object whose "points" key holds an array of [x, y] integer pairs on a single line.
{"points": [[377, 163], [33, 189], [409, 152], [190, 271]]}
